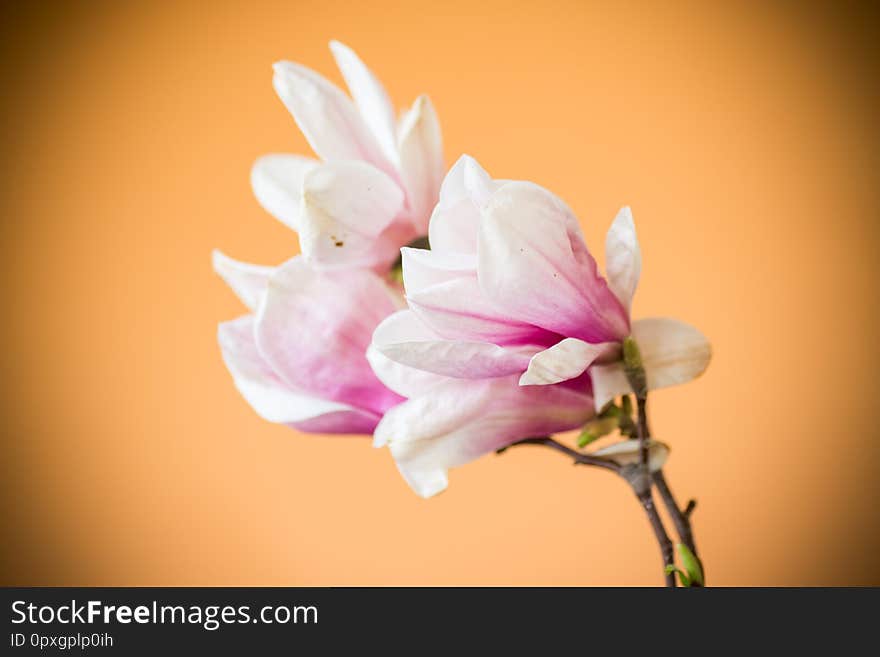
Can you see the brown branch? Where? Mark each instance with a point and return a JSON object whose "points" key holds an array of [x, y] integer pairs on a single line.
{"points": [[578, 457], [643, 432], [635, 475], [647, 501], [680, 518]]}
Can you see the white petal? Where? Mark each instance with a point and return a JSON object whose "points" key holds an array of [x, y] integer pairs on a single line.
{"points": [[456, 219], [405, 339], [327, 117], [345, 207], [423, 268], [369, 96], [247, 281], [277, 183], [609, 381], [421, 160], [405, 381], [272, 399], [627, 452], [623, 256], [672, 353], [446, 408], [565, 360], [462, 420]]}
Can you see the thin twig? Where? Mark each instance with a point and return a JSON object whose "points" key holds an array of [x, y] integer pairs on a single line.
{"points": [[644, 433], [639, 483], [578, 457], [647, 501], [680, 518]]}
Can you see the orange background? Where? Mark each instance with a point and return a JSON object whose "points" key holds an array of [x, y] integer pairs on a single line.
{"points": [[744, 138]]}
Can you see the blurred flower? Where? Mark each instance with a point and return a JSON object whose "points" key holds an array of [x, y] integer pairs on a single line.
{"points": [[299, 359], [379, 178]]}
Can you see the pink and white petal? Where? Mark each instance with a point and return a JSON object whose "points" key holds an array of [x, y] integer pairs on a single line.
{"points": [[628, 452], [370, 97], [458, 310], [623, 257], [534, 265], [277, 181], [444, 409], [464, 420], [246, 280], [421, 160], [673, 353], [405, 339], [271, 398], [314, 329], [456, 219], [405, 381], [565, 360], [423, 268], [327, 117], [346, 205]]}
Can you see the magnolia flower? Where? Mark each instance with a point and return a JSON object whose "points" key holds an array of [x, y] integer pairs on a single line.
{"points": [[378, 179], [299, 358], [509, 291], [509, 286]]}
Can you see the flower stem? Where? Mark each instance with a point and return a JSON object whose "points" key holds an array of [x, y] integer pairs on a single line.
{"points": [[681, 518], [635, 475], [579, 457], [647, 501]]}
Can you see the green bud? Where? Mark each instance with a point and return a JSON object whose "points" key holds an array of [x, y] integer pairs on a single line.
{"points": [[691, 564], [595, 429], [610, 410], [626, 405], [586, 438], [632, 366], [685, 580]]}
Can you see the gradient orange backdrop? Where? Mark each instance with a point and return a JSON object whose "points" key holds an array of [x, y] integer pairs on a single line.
{"points": [[742, 135]]}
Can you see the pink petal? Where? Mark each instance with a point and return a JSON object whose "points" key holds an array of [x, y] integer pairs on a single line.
{"points": [[421, 160], [535, 266], [346, 207], [370, 97], [456, 219], [247, 281], [275, 401], [327, 117], [623, 258], [458, 310], [277, 183], [463, 420], [314, 329], [405, 339]]}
